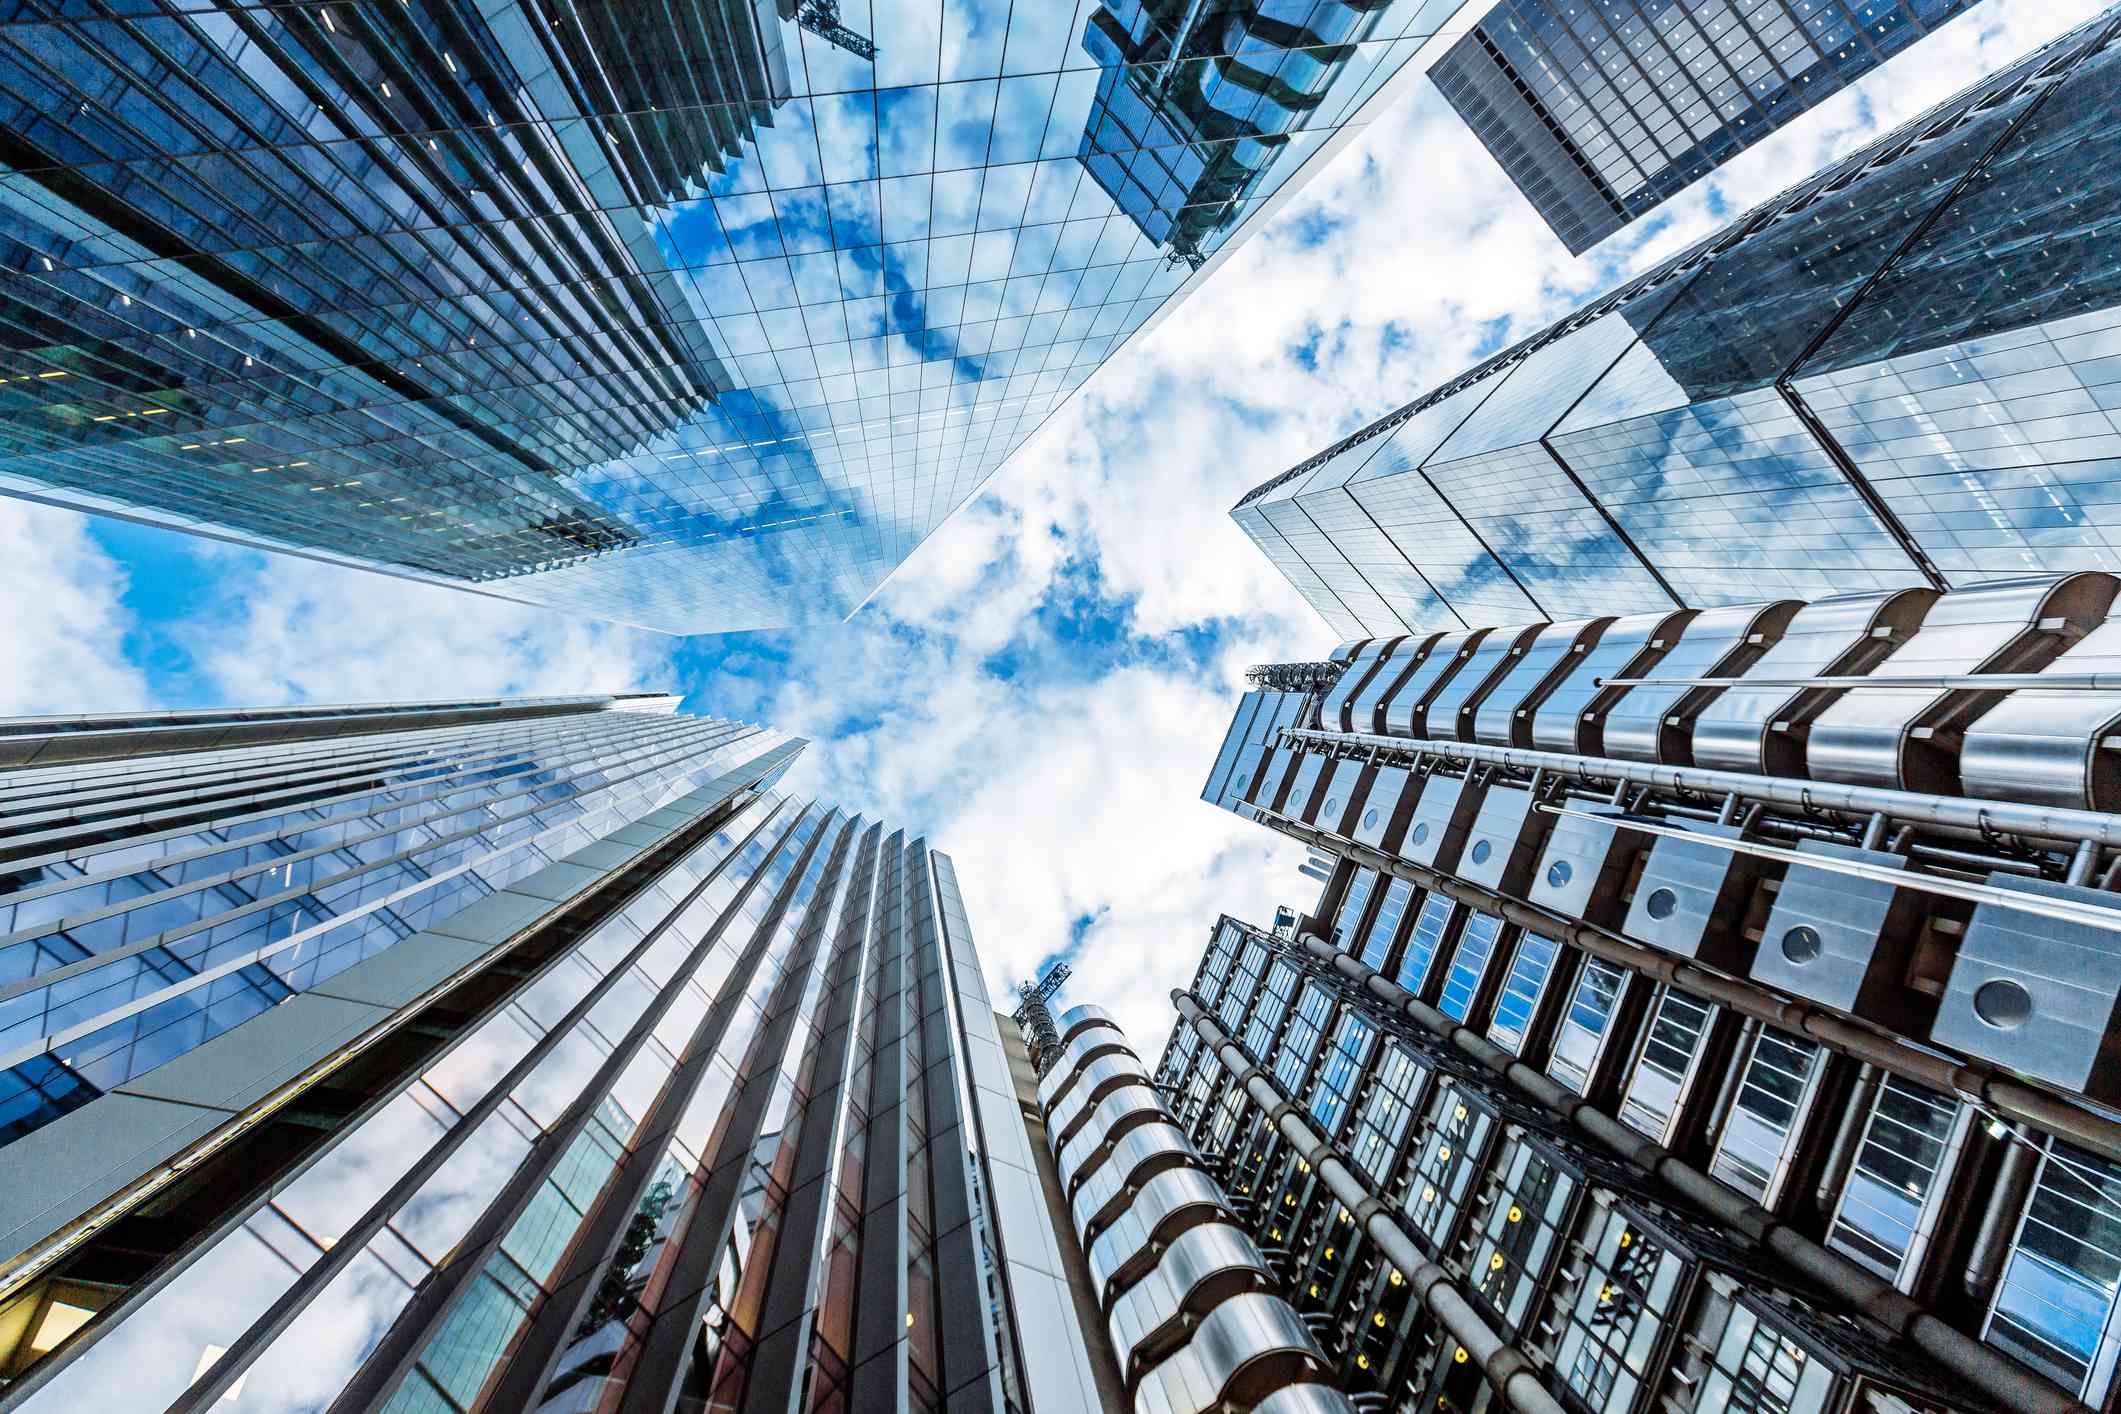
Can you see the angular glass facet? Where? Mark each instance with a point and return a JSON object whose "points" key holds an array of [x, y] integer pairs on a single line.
{"points": [[696, 317]]}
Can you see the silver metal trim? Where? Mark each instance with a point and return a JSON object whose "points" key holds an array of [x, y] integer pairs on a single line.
{"points": [[2085, 914]]}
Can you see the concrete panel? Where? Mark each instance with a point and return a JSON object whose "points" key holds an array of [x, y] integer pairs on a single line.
{"points": [[238, 1067], [493, 918], [54, 1174], [402, 971]]}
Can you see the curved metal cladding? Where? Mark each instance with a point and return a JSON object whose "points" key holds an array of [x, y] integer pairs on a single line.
{"points": [[1761, 729], [1246, 1349], [1164, 1250], [1905, 739], [1166, 1206], [1098, 1079], [2052, 748], [537, 1057]]}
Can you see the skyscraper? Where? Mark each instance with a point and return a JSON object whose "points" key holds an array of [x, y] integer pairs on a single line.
{"points": [[1701, 1011], [1895, 374], [1599, 113], [525, 1054], [698, 318]]}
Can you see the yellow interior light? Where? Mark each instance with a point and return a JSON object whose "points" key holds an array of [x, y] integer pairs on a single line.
{"points": [[1458, 1356], [1516, 1213], [1495, 1262], [1314, 1288], [1626, 1238], [1397, 1279], [1329, 1254], [1378, 1319], [1362, 1362]]}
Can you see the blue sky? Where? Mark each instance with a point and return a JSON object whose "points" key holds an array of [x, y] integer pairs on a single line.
{"points": [[1042, 686]]}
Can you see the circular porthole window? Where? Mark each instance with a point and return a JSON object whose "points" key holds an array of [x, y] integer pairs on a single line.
{"points": [[1369, 818], [1333, 805], [1421, 834], [1559, 873], [1801, 944], [2003, 1004], [1662, 902], [1481, 850]]}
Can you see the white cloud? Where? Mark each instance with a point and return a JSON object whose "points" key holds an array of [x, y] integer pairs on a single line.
{"points": [[63, 619], [286, 630]]}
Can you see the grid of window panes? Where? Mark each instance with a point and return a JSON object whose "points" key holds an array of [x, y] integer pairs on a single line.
{"points": [[157, 904], [1908, 1142], [1800, 405], [1425, 938], [1341, 1071], [1777, 1084], [1641, 99], [2054, 1308], [1469, 964], [1581, 1040], [1299, 1043], [1348, 919], [1677, 1028], [1526, 983], [1384, 927], [698, 317], [1387, 1106]]}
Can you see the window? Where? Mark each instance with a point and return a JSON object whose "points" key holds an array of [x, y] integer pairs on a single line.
{"points": [[1292, 1064], [2055, 1305], [1352, 904], [1237, 996], [1429, 926], [1377, 942], [1521, 991], [1446, 1167], [1583, 1029], [1469, 964], [1670, 1053], [1614, 1317], [1341, 1072], [1908, 1148], [1272, 1006], [1781, 1076], [1520, 1232], [1381, 1120]]}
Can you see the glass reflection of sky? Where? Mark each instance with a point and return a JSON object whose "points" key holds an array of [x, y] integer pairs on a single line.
{"points": [[786, 319], [1791, 409]]}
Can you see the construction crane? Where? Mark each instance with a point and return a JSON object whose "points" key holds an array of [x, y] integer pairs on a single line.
{"points": [[1035, 1019], [822, 18]]}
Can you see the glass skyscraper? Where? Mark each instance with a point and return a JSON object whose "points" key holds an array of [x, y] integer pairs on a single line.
{"points": [[507, 1055], [698, 317], [1599, 113], [1896, 374]]}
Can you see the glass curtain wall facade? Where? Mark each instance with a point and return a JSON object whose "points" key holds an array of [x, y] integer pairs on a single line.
{"points": [[698, 317], [1895, 374], [1599, 113], [506, 1055], [1686, 1030]]}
